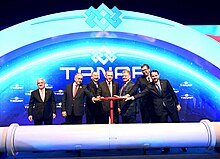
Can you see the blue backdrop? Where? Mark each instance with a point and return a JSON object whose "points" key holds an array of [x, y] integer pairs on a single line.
{"points": [[57, 46]]}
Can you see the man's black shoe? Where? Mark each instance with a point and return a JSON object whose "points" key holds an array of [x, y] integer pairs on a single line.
{"points": [[165, 150], [184, 149]]}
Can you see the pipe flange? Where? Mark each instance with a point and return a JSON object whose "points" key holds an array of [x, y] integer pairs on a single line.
{"points": [[211, 133], [10, 140]]}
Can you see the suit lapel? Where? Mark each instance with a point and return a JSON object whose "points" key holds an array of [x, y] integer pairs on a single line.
{"points": [[71, 90], [155, 89], [46, 95], [94, 86], [38, 95], [162, 86], [125, 88], [114, 90]]}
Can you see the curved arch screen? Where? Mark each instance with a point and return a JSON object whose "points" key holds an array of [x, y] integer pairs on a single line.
{"points": [[57, 46]]}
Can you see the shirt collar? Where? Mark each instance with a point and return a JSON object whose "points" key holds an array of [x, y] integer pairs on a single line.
{"points": [[95, 82], [42, 89], [158, 83], [109, 82], [127, 82], [74, 84]]}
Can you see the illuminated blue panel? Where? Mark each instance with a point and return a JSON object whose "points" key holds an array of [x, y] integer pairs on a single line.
{"points": [[55, 48], [130, 22]]}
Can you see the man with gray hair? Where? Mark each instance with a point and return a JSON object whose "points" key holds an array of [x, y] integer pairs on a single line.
{"points": [[42, 107], [73, 100]]}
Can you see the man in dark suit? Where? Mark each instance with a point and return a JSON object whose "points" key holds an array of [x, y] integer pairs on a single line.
{"points": [[73, 100], [42, 107], [165, 101], [93, 110], [146, 106], [127, 109], [109, 88]]}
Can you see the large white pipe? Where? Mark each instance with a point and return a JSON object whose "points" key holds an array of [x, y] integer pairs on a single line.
{"points": [[3, 135], [17, 138]]}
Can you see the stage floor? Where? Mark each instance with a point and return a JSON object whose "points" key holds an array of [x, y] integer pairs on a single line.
{"points": [[175, 153]]}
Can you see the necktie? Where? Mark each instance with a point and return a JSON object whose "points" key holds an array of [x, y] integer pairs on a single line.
{"points": [[42, 94], [158, 88], [148, 79], [75, 90], [110, 88], [96, 84], [122, 89]]}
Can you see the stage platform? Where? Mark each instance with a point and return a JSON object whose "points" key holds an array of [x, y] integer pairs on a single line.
{"points": [[175, 153]]}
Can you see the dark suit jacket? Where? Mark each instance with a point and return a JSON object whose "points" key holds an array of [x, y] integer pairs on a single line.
{"points": [[40, 109], [141, 84], [103, 91], [128, 108], [75, 104], [90, 106], [168, 97]]}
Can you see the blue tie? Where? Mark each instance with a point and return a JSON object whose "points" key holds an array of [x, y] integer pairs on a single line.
{"points": [[158, 88]]}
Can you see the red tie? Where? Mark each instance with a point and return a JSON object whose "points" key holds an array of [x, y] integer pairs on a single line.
{"points": [[75, 90], [110, 88], [122, 88]]}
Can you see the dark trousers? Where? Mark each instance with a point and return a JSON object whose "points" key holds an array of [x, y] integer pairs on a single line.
{"points": [[105, 118], [129, 119], [174, 116], [115, 116], [93, 119], [93, 115], [147, 114], [43, 121], [72, 119]]}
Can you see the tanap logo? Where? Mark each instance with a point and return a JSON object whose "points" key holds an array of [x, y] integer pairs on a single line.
{"points": [[49, 86], [104, 55], [17, 86], [186, 84], [59, 92], [103, 17], [186, 96], [16, 100]]}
